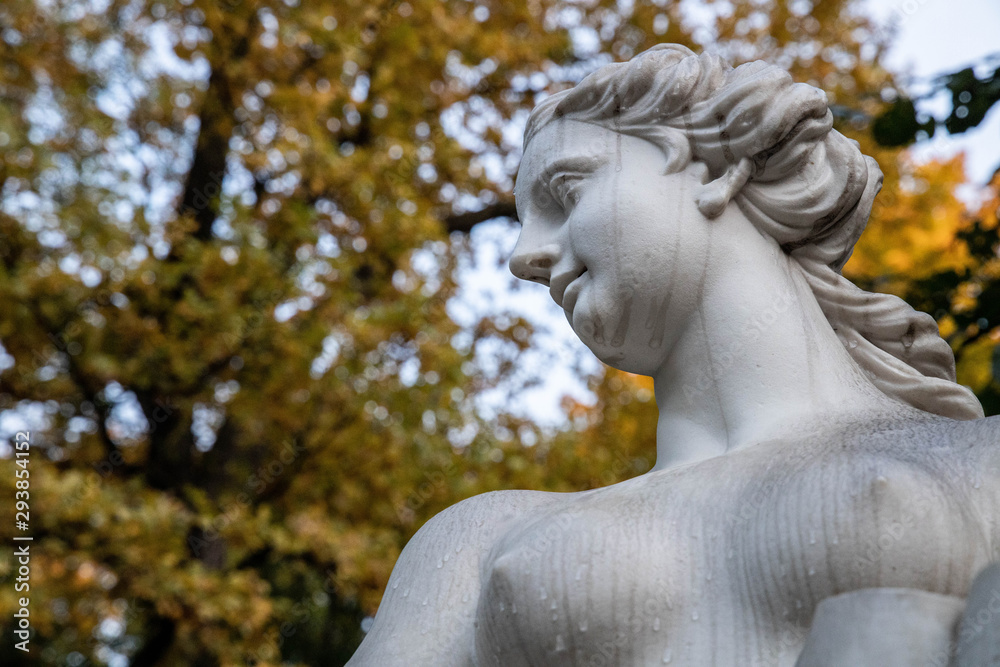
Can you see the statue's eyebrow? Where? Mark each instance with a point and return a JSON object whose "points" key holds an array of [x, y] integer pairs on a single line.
{"points": [[572, 164], [577, 163]]}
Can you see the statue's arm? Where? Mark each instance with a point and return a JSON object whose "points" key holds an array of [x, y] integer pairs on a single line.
{"points": [[428, 612]]}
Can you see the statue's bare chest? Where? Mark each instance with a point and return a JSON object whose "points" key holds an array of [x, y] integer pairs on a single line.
{"points": [[693, 570]]}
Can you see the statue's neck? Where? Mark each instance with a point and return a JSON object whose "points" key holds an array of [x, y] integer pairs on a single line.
{"points": [[757, 360]]}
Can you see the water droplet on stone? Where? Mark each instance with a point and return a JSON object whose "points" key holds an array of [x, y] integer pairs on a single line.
{"points": [[668, 655], [656, 624], [424, 603], [543, 595], [560, 644], [554, 605], [694, 615], [583, 626]]}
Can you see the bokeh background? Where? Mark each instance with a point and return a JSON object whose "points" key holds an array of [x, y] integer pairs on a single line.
{"points": [[252, 303]]}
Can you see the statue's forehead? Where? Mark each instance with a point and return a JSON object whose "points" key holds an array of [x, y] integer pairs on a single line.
{"points": [[562, 139], [568, 134]]}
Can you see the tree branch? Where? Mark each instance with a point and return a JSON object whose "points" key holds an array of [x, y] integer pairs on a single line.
{"points": [[464, 222], [89, 387], [217, 121], [91, 393], [160, 636], [208, 168]]}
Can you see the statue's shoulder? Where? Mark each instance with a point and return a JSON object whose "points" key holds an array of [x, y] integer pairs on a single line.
{"points": [[922, 443], [941, 462], [427, 615], [974, 446], [471, 527], [885, 463], [960, 445], [485, 514], [949, 434]]}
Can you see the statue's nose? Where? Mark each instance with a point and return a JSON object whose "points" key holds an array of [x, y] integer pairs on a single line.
{"points": [[533, 261]]}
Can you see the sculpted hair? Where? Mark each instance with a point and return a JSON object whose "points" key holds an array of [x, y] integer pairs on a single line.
{"points": [[770, 146]]}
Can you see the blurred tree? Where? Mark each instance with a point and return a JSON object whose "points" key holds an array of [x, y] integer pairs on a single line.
{"points": [[925, 244], [226, 275], [949, 267], [972, 97]]}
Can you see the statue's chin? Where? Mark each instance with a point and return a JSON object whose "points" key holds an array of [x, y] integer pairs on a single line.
{"points": [[625, 355], [614, 359], [619, 357]]}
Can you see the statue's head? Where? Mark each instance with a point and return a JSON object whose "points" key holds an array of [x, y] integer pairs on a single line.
{"points": [[683, 139]]}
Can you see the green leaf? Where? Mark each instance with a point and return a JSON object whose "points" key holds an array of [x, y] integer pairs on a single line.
{"points": [[898, 125]]}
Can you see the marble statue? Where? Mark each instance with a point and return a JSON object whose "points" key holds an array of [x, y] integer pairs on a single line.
{"points": [[816, 460]]}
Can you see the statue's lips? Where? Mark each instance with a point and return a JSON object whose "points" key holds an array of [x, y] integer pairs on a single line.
{"points": [[572, 293]]}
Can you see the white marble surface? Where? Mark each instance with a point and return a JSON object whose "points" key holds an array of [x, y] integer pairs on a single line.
{"points": [[883, 627], [977, 638], [691, 220]]}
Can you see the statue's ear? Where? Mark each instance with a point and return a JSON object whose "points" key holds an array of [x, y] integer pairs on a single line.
{"points": [[715, 195]]}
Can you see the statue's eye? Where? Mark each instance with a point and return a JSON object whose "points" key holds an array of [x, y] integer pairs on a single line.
{"points": [[564, 189]]}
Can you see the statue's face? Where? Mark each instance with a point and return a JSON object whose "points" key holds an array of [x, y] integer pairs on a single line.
{"points": [[621, 245]]}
